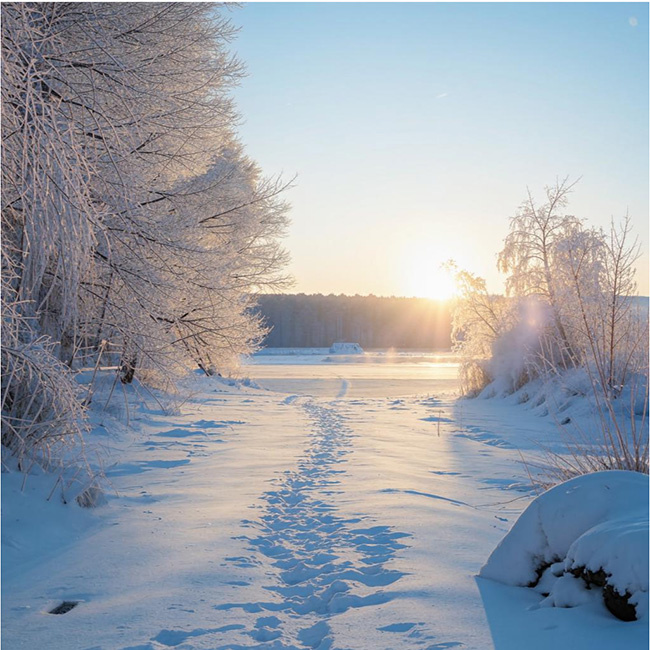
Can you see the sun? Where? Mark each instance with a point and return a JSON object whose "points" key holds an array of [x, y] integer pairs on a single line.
{"points": [[426, 278]]}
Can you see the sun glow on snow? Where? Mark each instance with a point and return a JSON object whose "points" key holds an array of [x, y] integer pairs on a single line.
{"points": [[425, 278]]}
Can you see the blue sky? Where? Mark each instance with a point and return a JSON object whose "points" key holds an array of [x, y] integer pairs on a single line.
{"points": [[415, 128]]}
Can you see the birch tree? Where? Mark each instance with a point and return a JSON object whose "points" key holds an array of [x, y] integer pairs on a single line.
{"points": [[529, 258]]}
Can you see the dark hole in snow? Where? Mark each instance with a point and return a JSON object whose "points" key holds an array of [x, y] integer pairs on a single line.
{"points": [[64, 607], [539, 571], [618, 604]]}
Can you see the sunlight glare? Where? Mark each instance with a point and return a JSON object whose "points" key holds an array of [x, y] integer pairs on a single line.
{"points": [[426, 278]]}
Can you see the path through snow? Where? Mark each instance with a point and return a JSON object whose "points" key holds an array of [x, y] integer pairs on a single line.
{"points": [[324, 563]]}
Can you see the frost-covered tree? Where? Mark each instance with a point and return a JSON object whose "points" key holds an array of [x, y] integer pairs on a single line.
{"points": [[625, 326], [570, 284], [529, 258], [571, 306], [584, 276], [134, 225], [479, 319], [610, 330]]}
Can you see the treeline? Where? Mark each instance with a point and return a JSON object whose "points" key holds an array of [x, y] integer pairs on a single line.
{"points": [[135, 229], [300, 320]]}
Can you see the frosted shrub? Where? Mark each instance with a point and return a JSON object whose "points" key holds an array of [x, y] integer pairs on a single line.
{"points": [[473, 376], [42, 411]]}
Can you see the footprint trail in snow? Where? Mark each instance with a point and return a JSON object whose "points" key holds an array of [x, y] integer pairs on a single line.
{"points": [[322, 564]]}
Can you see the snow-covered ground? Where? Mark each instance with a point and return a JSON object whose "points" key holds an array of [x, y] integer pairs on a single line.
{"points": [[318, 505]]}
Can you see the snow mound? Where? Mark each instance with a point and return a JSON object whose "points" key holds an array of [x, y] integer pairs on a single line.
{"points": [[342, 347], [593, 529]]}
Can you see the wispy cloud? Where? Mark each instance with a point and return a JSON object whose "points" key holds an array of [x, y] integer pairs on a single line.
{"points": [[441, 95]]}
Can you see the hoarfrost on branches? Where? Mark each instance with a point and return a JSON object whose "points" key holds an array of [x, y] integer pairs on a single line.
{"points": [[136, 230]]}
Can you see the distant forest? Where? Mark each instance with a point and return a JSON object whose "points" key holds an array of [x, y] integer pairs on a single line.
{"points": [[318, 321]]}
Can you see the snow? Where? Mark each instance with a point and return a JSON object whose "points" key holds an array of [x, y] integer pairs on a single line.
{"points": [[312, 506]]}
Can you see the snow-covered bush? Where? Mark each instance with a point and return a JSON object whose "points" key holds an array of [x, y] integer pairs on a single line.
{"points": [[583, 537]]}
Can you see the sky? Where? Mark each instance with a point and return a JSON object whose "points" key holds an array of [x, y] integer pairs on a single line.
{"points": [[415, 129]]}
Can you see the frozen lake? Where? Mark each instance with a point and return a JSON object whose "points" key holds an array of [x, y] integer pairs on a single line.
{"points": [[378, 373]]}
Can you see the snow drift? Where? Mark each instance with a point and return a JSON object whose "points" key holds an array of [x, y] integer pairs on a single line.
{"points": [[585, 535]]}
